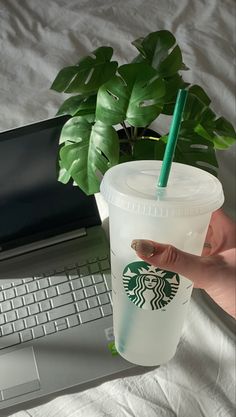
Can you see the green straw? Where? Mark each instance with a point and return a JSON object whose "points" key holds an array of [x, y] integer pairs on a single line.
{"points": [[172, 138]]}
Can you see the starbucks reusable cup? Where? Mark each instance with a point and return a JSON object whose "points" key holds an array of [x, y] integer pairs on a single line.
{"points": [[149, 303]]}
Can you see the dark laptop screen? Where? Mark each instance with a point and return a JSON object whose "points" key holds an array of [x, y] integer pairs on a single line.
{"points": [[33, 204]]}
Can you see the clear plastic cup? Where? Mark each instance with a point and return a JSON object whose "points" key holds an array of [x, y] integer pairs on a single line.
{"points": [[150, 304]]}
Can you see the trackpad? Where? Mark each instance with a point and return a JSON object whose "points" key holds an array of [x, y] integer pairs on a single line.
{"points": [[18, 373]]}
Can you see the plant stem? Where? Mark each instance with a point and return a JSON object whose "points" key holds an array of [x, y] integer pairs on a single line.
{"points": [[126, 130], [131, 132]]}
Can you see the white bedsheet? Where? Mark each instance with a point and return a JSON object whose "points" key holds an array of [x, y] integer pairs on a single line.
{"points": [[37, 38]]}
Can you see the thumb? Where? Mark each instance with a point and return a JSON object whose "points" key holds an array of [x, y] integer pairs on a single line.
{"points": [[172, 259]]}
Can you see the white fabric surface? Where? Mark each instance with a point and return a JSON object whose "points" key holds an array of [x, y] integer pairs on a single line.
{"points": [[37, 38]]}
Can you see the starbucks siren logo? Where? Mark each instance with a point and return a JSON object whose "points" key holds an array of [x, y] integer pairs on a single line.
{"points": [[149, 287]]}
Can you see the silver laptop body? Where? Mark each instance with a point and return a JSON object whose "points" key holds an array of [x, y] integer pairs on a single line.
{"points": [[55, 283]]}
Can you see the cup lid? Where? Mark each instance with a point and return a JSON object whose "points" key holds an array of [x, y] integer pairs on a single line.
{"points": [[132, 186]]}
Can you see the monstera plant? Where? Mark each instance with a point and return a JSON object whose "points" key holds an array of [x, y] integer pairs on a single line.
{"points": [[106, 97]]}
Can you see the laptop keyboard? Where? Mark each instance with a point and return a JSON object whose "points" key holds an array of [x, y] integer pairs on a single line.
{"points": [[58, 300]]}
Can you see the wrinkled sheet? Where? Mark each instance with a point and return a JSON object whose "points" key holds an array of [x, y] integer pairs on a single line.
{"points": [[37, 38]]}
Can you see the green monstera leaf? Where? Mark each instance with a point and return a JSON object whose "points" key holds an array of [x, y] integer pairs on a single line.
{"points": [[160, 50], [135, 96], [79, 106], [88, 75], [74, 130], [149, 149], [203, 122], [192, 149], [63, 175], [70, 106], [220, 132], [87, 152], [172, 85], [198, 152]]}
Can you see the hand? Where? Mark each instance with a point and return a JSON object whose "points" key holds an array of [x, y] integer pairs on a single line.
{"points": [[214, 271]]}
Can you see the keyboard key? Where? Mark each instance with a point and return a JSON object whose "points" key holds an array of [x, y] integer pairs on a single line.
{"points": [[38, 277], [61, 324], [104, 299], [38, 332], [86, 281], [82, 305], [90, 291], [100, 288], [26, 335], [5, 306], [17, 302], [34, 309], [94, 268], [62, 300], [19, 325], [43, 283], [45, 305], [84, 271], [49, 328], [25, 280], [7, 329], [42, 318], [51, 292], [6, 286], [107, 278], [73, 320], [32, 286], [30, 321], [58, 279], [93, 302], [106, 310], [76, 284], [105, 264], [28, 299], [1, 296], [22, 312], [21, 290], [63, 311], [97, 278], [10, 316], [63, 288], [10, 340], [78, 295], [73, 274], [90, 315], [40, 295], [9, 294], [2, 319]]}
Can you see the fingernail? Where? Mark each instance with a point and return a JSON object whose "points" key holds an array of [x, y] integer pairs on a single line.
{"points": [[144, 248], [207, 245]]}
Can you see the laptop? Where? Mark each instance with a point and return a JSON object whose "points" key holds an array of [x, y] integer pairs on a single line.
{"points": [[55, 283]]}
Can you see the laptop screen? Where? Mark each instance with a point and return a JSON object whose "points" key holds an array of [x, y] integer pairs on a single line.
{"points": [[33, 204]]}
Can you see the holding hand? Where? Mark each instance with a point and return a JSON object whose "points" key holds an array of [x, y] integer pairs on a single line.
{"points": [[214, 271]]}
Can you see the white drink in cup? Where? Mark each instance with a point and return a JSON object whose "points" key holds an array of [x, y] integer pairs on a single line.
{"points": [[149, 303]]}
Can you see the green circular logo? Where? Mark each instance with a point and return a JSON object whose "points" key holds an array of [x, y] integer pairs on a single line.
{"points": [[149, 287]]}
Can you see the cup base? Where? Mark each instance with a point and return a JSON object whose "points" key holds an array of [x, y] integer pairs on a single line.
{"points": [[146, 360]]}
